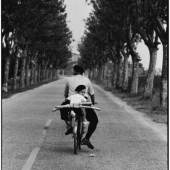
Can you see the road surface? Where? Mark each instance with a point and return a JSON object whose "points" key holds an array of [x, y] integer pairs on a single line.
{"points": [[33, 136]]}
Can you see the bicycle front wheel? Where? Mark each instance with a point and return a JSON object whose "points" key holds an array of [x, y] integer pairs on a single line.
{"points": [[79, 134], [75, 139]]}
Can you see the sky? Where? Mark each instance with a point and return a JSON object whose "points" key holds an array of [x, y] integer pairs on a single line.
{"points": [[78, 11], [143, 51]]}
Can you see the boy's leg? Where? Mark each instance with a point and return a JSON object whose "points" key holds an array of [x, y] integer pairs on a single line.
{"points": [[78, 112], [64, 111], [65, 116], [69, 127], [84, 115]]}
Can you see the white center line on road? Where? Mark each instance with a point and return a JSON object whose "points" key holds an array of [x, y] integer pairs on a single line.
{"points": [[47, 124], [34, 153], [31, 159]]}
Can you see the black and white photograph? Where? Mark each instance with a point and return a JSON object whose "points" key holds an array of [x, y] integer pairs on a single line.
{"points": [[84, 85]]}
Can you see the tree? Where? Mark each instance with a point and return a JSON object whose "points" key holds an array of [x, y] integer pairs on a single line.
{"points": [[159, 11], [36, 28], [154, 14], [125, 53]]}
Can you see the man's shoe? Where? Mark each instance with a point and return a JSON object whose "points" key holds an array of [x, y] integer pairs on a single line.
{"points": [[87, 142], [69, 131]]}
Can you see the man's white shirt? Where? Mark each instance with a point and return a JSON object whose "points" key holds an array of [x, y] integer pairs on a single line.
{"points": [[76, 80]]}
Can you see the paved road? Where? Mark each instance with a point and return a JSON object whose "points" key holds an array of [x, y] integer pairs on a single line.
{"points": [[33, 136]]}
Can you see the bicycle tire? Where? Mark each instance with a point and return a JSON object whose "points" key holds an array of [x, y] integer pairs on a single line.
{"points": [[79, 133], [75, 143]]}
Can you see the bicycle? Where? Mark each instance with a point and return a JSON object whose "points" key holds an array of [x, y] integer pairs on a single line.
{"points": [[77, 121]]}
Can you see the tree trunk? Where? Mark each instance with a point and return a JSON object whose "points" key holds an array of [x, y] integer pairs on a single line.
{"points": [[52, 74], [94, 73], [99, 73], [43, 74], [39, 73], [27, 74], [36, 73], [90, 74], [16, 72], [103, 71], [164, 78], [6, 75], [114, 76], [119, 75], [45, 71], [135, 60], [151, 73], [32, 74], [23, 72], [47, 75], [50, 71], [125, 74], [135, 77], [55, 73]]}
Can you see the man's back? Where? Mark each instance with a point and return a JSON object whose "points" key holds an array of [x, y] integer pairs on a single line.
{"points": [[74, 81]]}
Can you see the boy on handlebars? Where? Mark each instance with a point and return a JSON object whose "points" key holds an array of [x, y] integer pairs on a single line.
{"points": [[77, 98]]}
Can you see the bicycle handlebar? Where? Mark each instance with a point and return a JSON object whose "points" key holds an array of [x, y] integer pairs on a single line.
{"points": [[75, 106]]}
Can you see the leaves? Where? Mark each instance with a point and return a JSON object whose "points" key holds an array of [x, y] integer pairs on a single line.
{"points": [[38, 25]]}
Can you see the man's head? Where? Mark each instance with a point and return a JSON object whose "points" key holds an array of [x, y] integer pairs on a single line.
{"points": [[78, 70], [81, 89]]}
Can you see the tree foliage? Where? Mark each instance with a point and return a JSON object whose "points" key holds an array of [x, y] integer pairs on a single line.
{"points": [[38, 26], [121, 24]]}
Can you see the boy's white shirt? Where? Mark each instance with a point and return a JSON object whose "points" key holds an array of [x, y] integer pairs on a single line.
{"points": [[76, 99]]}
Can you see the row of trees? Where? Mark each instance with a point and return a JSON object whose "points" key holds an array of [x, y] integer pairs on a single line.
{"points": [[113, 31], [35, 40]]}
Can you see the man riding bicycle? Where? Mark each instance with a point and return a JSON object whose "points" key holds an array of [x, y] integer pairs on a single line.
{"points": [[71, 84]]}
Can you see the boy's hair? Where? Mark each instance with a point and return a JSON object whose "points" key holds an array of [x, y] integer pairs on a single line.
{"points": [[78, 69], [80, 88]]}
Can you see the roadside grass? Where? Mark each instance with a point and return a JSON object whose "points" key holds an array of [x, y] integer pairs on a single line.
{"points": [[151, 107]]}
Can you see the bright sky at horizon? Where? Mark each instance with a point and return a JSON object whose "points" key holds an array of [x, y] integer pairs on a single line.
{"points": [[143, 51], [78, 11]]}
